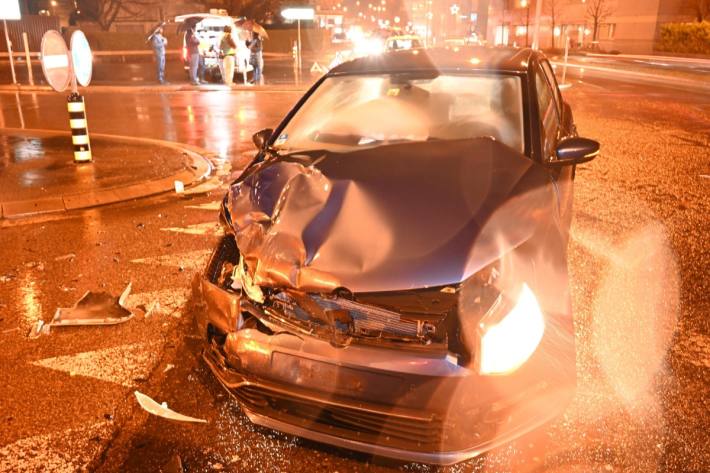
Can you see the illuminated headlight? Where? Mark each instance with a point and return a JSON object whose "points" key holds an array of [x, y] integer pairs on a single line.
{"points": [[509, 339]]}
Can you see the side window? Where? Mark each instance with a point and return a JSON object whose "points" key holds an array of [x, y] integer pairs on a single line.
{"points": [[551, 79], [549, 118]]}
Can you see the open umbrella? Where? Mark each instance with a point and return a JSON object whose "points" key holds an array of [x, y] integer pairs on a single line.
{"points": [[260, 30], [154, 30], [251, 25], [189, 24]]}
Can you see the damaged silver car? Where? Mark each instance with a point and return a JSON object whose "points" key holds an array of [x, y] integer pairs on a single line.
{"points": [[393, 278]]}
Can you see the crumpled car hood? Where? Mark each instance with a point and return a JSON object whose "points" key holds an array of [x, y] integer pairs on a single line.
{"points": [[387, 218]]}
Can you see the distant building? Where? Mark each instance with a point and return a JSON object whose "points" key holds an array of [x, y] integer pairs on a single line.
{"points": [[629, 26]]}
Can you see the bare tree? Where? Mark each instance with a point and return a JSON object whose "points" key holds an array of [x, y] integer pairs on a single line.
{"points": [[252, 9], [598, 11], [700, 9], [106, 12], [554, 9]]}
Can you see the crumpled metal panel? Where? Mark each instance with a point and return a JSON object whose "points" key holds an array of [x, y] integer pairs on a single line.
{"points": [[386, 218]]}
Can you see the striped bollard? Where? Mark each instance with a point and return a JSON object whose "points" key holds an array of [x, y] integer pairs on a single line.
{"points": [[79, 129]]}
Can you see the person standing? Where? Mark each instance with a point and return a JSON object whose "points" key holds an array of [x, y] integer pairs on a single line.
{"points": [[192, 43], [228, 48], [256, 58], [158, 41]]}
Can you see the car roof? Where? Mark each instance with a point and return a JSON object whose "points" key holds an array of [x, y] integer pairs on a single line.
{"points": [[403, 36], [464, 58], [211, 18]]}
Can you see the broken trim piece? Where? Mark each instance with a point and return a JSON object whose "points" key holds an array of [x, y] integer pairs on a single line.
{"points": [[162, 410], [82, 313]]}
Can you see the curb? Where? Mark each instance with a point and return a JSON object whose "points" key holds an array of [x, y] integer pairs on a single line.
{"points": [[700, 59], [632, 76], [197, 169]]}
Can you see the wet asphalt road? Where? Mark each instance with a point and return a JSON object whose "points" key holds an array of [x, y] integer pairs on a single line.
{"points": [[141, 70], [638, 257]]}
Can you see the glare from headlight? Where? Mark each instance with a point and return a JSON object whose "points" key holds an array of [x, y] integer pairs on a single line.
{"points": [[507, 344], [369, 46]]}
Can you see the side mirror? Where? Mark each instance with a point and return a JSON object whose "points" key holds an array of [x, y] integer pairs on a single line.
{"points": [[575, 150], [260, 138]]}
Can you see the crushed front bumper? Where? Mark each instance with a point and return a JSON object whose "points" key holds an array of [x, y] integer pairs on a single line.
{"points": [[404, 404]]}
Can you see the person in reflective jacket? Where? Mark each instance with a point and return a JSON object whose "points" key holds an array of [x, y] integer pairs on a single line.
{"points": [[228, 48]]}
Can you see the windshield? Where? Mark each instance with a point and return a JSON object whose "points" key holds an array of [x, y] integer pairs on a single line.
{"points": [[352, 112]]}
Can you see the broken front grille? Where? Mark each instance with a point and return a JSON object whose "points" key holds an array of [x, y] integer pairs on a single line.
{"points": [[364, 320], [372, 320], [223, 259], [340, 317]]}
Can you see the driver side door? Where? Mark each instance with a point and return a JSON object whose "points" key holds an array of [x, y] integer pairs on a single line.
{"points": [[552, 130]]}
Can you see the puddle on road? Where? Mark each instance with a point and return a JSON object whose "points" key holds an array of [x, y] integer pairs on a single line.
{"points": [[28, 296]]}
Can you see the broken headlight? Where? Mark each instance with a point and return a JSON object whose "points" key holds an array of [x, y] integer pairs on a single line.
{"points": [[509, 333]]}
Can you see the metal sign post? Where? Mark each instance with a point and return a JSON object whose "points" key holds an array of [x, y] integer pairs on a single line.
{"points": [[298, 14], [28, 59], [10, 10], [9, 52], [564, 68], [300, 56], [82, 69], [62, 69]]}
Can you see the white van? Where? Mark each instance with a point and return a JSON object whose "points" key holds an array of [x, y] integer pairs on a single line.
{"points": [[209, 28]]}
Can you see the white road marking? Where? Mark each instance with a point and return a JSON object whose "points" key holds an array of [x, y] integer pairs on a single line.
{"points": [[595, 86], [169, 300], [64, 451], [120, 364], [189, 260], [207, 186], [208, 206], [207, 228], [705, 176]]}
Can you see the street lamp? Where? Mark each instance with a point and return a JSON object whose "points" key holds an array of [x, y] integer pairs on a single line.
{"points": [[536, 34], [454, 11], [429, 16]]}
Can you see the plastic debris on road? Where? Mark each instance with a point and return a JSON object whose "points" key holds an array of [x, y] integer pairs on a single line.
{"points": [[68, 256], [162, 410], [98, 308], [179, 187]]}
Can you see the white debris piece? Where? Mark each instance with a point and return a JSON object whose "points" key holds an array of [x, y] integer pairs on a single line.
{"points": [[179, 187], [161, 410]]}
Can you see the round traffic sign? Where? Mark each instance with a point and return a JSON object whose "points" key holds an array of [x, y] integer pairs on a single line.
{"points": [[81, 58], [55, 60]]}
